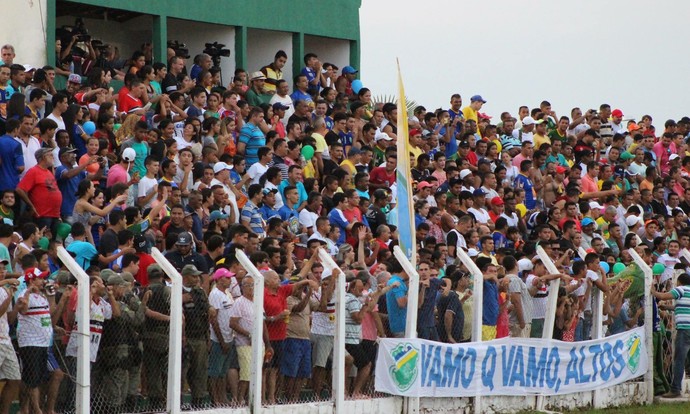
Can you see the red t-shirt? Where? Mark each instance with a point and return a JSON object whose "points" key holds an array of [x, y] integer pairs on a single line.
{"points": [[41, 186], [273, 305], [142, 276], [379, 175], [128, 103]]}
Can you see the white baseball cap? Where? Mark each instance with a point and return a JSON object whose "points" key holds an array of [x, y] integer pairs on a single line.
{"points": [[220, 166], [129, 154]]}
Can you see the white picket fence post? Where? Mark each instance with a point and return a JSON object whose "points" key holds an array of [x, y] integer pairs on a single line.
{"points": [[648, 322], [412, 403], [83, 316], [257, 332], [174, 394], [551, 305], [339, 337], [478, 294]]}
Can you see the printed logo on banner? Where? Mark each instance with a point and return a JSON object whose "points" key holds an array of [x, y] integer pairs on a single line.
{"points": [[633, 345], [404, 370]]}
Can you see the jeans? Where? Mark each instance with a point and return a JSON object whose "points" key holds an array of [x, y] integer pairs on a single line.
{"points": [[680, 352]]}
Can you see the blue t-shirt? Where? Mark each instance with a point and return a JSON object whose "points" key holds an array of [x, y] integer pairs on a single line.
{"points": [[291, 216], [397, 316], [253, 139], [142, 151], [425, 317], [195, 112], [68, 188], [337, 218], [300, 190], [85, 252], [311, 75], [298, 95], [11, 157], [525, 183], [268, 212], [490, 304]]}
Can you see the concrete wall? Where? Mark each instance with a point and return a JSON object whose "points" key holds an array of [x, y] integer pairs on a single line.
{"points": [[335, 51], [195, 35], [29, 36], [630, 393], [262, 46]]}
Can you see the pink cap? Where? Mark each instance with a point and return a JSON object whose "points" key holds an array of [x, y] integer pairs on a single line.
{"points": [[222, 272]]}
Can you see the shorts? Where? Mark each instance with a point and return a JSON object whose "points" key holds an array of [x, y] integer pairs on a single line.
{"points": [[52, 361], [244, 356], [34, 365], [322, 349], [219, 363], [297, 362], [488, 332], [278, 349], [359, 354], [371, 348], [9, 364]]}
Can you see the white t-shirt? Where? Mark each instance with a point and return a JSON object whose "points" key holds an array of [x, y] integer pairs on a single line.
{"points": [[244, 310], [323, 323], [29, 150], [35, 328], [223, 304], [146, 185], [256, 171], [480, 215], [308, 218], [4, 325], [59, 121], [100, 312]]}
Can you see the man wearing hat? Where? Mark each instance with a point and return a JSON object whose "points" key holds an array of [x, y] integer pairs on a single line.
{"points": [[256, 95], [196, 312], [223, 355], [34, 332], [471, 112], [69, 175], [344, 82], [184, 255], [119, 353], [156, 302], [526, 134], [39, 190]]}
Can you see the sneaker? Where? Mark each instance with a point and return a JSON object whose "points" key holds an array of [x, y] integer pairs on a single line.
{"points": [[672, 394]]}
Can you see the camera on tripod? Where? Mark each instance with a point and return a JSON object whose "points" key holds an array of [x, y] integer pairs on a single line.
{"points": [[179, 48], [216, 51]]}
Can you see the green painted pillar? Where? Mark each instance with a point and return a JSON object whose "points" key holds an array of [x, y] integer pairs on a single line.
{"points": [[354, 56], [50, 32], [241, 47], [297, 52], [159, 37]]}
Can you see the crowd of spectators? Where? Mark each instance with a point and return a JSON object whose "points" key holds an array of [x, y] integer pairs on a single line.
{"points": [[177, 161]]}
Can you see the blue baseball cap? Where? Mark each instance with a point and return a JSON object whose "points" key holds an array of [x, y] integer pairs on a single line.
{"points": [[476, 98], [586, 221], [349, 70]]}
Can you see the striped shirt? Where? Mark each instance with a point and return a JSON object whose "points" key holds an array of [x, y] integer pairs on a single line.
{"points": [[35, 327], [252, 215], [100, 311], [353, 330], [682, 296]]}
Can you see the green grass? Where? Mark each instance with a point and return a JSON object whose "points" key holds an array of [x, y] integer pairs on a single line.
{"points": [[648, 409]]}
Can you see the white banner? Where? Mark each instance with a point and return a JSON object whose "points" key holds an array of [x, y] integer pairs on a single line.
{"points": [[508, 366]]}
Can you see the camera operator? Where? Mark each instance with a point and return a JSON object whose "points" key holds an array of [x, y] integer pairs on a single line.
{"points": [[202, 62], [172, 82]]}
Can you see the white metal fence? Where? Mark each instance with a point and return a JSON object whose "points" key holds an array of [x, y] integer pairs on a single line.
{"points": [[337, 402]]}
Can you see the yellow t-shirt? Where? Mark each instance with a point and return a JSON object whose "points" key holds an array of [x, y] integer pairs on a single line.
{"points": [[309, 171], [271, 74], [416, 151], [320, 143], [540, 139], [471, 114]]}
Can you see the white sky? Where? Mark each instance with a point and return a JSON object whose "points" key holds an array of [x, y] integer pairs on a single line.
{"points": [[632, 54]]}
